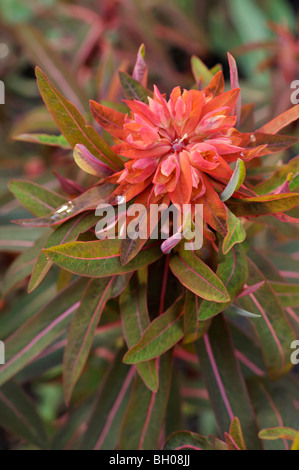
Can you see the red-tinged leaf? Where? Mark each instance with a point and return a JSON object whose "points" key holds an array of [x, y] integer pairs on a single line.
{"points": [[214, 210], [278, 177], [231, 444], [145, 414], [100, 258], [234, 80], [236, 433], [110, 119], [72, 124], [247, 290], [133, 90], [131, 245], [89, 163], [247, 118], [19, 416], [225, 383], [67, 232], [235, 234], [140, 72], [216, 86], [160, 336], [273, 142], [272, 434], [87, 201], [41, 330], [70, 187], [194, 274], [135, 320], [235, 182], [185, 440], [41, 52], [232, 270], [103, 428], [263, 205], [281, 121], [193, 327], [273, 330], [44, 139], [35, 198], [83, 327]]}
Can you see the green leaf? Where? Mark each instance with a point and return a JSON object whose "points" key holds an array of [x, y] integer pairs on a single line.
{"points": [[160, 336], [18, 415], [83, 327], [133, 89], [35, 198], [41, 330], [135, 320], [45, 139], [235, 182], [235, 310], [262, 205], [89, 163], [193, 327], [67, 232], [232, 270], [146, 411], [272, 434], [89, 200], [200, 71], [273, 330], [190, 440], [104, 426], [278, 177], [100, 258], [236, 433], [198, 277], [72, 124], [225, 383], [236, 233], [288, 294]]}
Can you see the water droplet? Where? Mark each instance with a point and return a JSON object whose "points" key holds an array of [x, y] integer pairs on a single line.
{"points": [[117, 200], [252, 138], [242, 154], [63, 212]]}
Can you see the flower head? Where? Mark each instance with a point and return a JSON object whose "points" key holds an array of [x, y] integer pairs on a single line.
{"points": [[179, 150]]}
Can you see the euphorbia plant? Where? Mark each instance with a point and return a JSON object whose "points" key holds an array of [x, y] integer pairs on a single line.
{"points": [[221, 306]]}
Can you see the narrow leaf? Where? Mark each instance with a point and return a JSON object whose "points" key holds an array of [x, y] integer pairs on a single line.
{"points": [[100, 258], [135, 320], [160, 336], [198, 277], [235, 182]]}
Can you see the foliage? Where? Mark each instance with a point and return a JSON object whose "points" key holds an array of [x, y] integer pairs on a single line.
{"points": [[125, 344]]}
